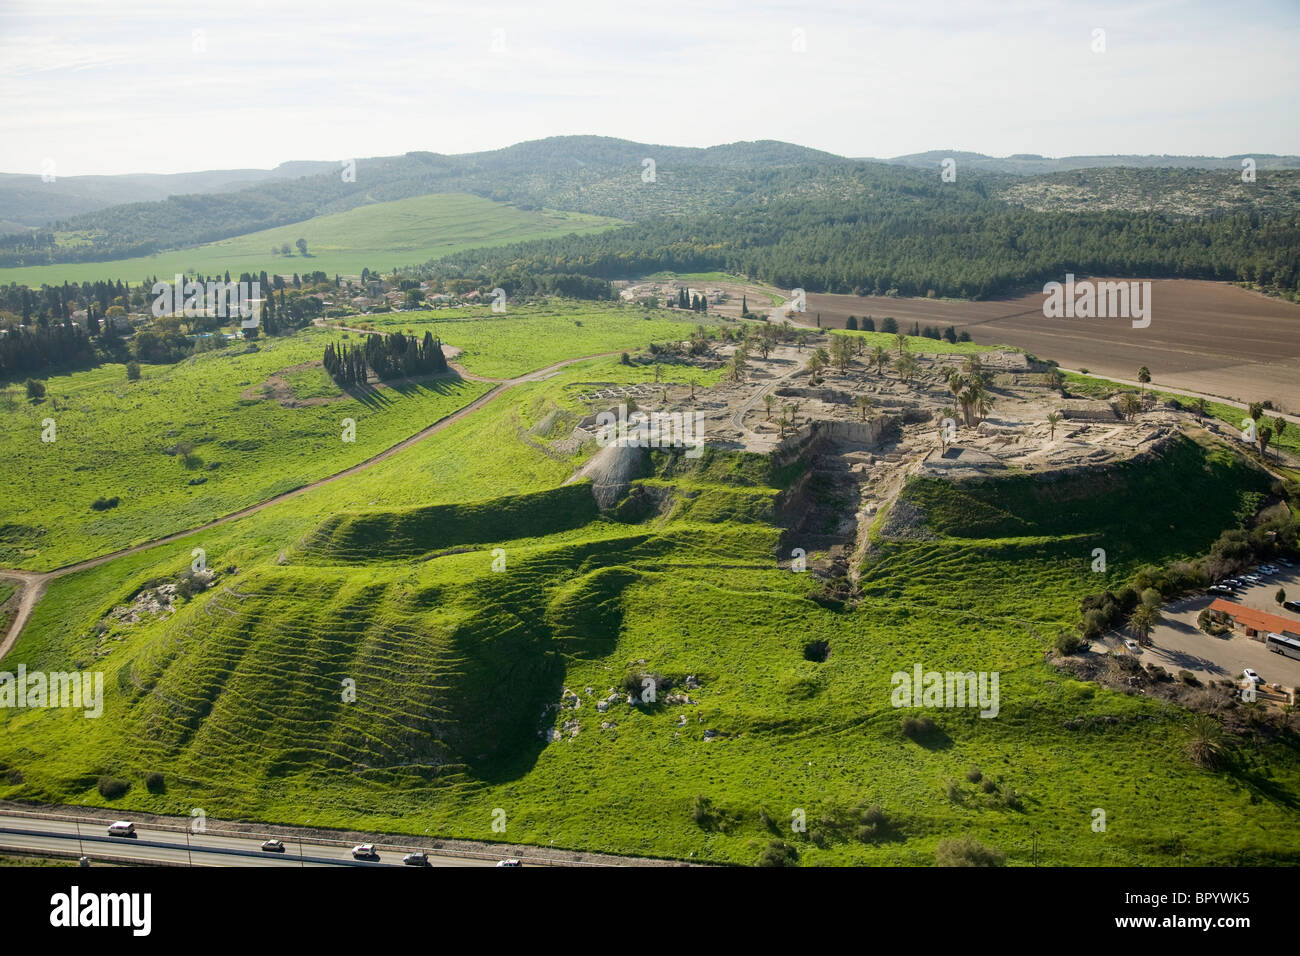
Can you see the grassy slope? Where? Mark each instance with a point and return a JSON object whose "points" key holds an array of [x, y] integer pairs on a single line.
{"points": [[237, 698], [112, 434], [520, 340], [378, 236]]}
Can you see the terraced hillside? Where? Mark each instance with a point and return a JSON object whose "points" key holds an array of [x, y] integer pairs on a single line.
{"points": [[365, 659]]}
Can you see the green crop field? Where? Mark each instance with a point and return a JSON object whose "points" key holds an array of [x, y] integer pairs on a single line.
{"points": [[378, 236], [383, 584]]}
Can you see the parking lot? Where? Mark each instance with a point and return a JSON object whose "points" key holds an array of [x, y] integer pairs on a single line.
{"points": [[1178, 644]]}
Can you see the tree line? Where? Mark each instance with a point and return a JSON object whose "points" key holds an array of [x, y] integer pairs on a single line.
{"points": [[389, 356]]}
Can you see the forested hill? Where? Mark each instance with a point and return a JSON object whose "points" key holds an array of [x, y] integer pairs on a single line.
{"points": [[790, 215], [875, 229], [578, 173]]}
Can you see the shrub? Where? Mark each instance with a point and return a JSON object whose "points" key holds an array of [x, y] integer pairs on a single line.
{"points": [[155, 783], [132, 371], [702, 810], [967, 851], [974, 775], [103, 504], [988, 786], [110, 788], [35, 389], [1067, 642], [778, 853], [916, 727]]}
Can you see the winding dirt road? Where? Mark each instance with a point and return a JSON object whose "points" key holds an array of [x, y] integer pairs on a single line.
{"points": [[32, 584]]}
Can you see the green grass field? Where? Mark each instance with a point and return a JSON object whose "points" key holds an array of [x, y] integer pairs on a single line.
{"points": [[112, 437], [534, 336], [916, 343], [378, 236], [386, 579]]}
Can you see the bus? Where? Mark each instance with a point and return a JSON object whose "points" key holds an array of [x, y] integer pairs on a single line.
{"points": [[1286, 646]]}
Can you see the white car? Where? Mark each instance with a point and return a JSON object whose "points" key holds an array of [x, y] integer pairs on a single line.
{"points": [[511, 862], [365, 851], [1251, 676], [1132, 646]]}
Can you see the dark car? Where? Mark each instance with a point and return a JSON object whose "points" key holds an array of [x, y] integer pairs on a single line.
{"points": [[273, 846], [416, 859]]}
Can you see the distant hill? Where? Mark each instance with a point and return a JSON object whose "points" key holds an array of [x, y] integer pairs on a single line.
{"points": [[27, 200], [1028, 164]]}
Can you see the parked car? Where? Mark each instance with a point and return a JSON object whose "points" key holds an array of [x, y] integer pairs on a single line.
{"points": [[1251, 676], [122, 828], [365, 851], [1253, 578], [1220, 589], [416, 859], [1293, 606], [1132, 646], [273, 846], [1286, 562], [510, 862]]}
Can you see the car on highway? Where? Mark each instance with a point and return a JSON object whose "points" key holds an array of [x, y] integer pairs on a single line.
{"points": [[273, 846], [122, 828], [416, 859], [510, 862], [1250, 675], [365, 851]]}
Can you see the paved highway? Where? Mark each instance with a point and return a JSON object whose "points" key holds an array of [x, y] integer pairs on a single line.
{"points": [[205, 849]]}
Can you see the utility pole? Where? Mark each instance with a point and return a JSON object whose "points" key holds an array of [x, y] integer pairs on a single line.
{"points": [[187, 845]]}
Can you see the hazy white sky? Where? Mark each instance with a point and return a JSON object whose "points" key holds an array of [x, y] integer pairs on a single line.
{"points": [[114, 86]]}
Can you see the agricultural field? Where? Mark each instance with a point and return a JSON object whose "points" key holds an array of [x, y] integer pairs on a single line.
{"points": [[378, 236], [1208, 337], [467, 676]]}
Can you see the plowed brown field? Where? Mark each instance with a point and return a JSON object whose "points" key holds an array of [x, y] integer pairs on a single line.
{"points": [[1204, 336]]}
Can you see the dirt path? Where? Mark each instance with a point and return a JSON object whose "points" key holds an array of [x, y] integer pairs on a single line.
{"points": [[33, 583]]}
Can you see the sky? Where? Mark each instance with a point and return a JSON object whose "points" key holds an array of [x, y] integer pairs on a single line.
{"points": [[118, 86]]}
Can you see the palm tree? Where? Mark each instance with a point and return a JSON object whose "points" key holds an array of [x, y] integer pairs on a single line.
{"points": [[1206, 740], [1264, 436], [768, 400], [736, 368], [1143, 620], [1129, 405], [907, 366], [879, 356], [1144, 378], [1279, 426], [863, 402], [901, 340], [1052, 421], [1202, 409]]}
